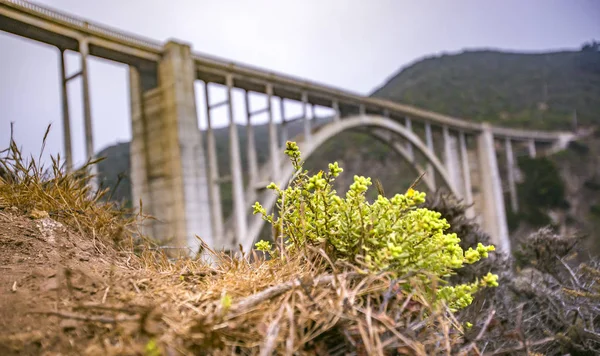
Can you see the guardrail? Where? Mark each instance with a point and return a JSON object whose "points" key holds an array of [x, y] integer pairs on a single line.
{"points": [[84, 26]]}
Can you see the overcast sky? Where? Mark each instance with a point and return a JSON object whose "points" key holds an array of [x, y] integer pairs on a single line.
{"points": [[351, 44]]}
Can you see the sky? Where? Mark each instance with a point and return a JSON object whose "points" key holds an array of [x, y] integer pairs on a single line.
{"points": [[351, 44]]}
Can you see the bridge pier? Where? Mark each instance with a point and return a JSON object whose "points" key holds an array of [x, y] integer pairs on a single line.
{"points": [[273, 143], [511, 170], [531, 148], [494, 213], [307, 130], [466, 175], [409, 147], [214, 190], [451, 159], [284, 128], [65, 111], [429, 142], [167, 155], [237, 180], [87, 109], [250, 143]]}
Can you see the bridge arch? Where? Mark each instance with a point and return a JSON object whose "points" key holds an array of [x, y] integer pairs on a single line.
{"points": [[405, 154], [318, 138]]}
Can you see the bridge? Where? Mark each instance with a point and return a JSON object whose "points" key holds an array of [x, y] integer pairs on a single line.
{"points": [[174, 167]]}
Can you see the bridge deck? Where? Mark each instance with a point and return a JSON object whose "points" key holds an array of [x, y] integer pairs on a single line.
{"points": [[64, 31]]}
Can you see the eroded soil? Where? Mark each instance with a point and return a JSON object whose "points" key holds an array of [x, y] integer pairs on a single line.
{"points": [[50, 278]]}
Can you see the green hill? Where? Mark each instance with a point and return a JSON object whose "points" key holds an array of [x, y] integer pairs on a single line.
{"points": [[541, 90]]}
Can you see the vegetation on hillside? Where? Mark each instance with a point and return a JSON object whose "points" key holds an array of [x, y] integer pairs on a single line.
{"points": [[541, 90]]}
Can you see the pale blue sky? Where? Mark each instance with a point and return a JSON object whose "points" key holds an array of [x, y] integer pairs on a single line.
{"points": [[352, 44]]}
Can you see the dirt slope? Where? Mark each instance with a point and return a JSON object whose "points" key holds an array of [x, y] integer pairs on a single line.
{"points": [[46, 269]]}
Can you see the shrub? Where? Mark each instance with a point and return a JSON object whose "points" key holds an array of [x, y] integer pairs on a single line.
{"points": [[390, 235]]}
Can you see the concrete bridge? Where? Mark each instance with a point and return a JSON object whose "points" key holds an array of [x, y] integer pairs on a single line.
{"points": [[175, 172]]}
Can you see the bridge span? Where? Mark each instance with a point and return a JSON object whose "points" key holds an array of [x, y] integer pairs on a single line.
{"points": [[174, 164]]}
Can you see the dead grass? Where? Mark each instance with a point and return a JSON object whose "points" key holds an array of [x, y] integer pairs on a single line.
{"points": [[32, 188], [301, 304]]}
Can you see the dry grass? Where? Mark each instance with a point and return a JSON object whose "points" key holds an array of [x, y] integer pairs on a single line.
{"points": [[30, 187], [300, 304]]}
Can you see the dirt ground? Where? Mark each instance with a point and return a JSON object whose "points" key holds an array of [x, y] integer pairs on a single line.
{"points": [[47, 275]]}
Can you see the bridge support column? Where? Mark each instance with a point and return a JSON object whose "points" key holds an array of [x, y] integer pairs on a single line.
{"points": [[494, 213], [284, 128], [251, 145], [466, 175], [87, 110], [167, 155], [237, 180], [214, 190], [307, 130], [510, 163], [531, 148], [409, 147], [65, 111], [335, 105], [429, 141], [451, 159], [273, 144]]}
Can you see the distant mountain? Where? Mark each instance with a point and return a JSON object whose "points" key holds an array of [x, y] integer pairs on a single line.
{"points": [[541, 90]]}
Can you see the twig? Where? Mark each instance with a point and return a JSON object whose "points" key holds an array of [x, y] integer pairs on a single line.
{"points": [[105, 294], [573, 276], [520, 332], [272, 333], [521, 347], [98, 318], [470, 345], [135, 286], [277, 290]]}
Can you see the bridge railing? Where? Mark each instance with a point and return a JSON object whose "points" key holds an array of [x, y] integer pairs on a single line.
{"points": [[84, 26]]}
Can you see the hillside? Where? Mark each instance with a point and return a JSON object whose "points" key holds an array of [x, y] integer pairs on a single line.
{"points": [[540, 90]]}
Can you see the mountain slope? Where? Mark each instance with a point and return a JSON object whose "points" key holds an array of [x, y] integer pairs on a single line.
{"points": [[510, 89]]}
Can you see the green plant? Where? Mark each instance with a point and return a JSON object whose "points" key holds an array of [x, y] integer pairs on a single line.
{"points": [[390, 235]]}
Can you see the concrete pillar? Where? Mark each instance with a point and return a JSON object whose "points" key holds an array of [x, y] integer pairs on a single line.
{"points": [[451, 160], [307, 132], [336, 108], [214, 190], [273, 143], [429, 141], [409, 147], [140, 152], [239, 203], [251, 145], [510, 166], [362, 110], [466, 175], [87, 111], [284, 129], [168, 156], [494, 213], [531, 147], [65, 111]]}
